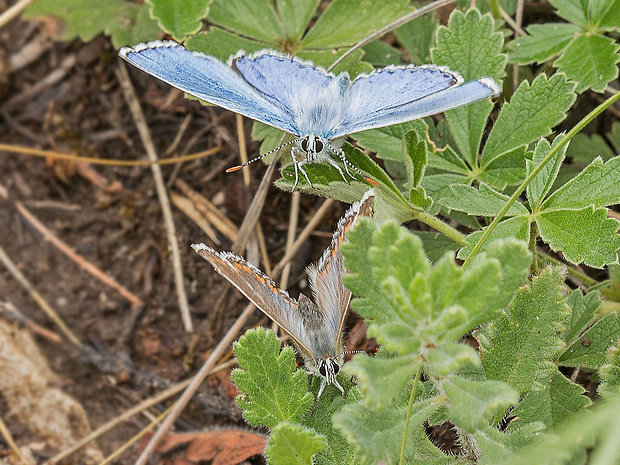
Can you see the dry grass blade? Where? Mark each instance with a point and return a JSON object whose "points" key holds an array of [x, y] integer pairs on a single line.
{"points": [[14, 11], [187, 206], [6, 434], [145, 135]]}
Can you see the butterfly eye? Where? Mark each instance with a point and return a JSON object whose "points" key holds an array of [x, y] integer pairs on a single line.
{"points": [[304, 144], [336, 368], [318, 145], [322, 370]]}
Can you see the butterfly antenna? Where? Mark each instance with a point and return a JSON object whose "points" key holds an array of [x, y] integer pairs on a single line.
{"points": [[238, 167], [347, 163]]}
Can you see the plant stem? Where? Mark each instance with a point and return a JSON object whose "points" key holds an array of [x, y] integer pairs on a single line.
{"points": [[440, 226], [513, 198], [408, 417]]}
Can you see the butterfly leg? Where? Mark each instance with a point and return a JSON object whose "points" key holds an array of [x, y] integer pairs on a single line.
{"points": [[335, 165], [298, 167]]}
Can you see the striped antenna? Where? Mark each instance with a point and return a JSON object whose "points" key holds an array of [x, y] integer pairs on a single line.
{"points": [[238, 167]]}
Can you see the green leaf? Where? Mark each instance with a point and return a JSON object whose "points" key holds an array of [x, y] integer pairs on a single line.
{"points": [[134, 27], [415, 156], [480, 202], [382, 380], [417, 37], [473, 403], [379, 53], [517, 227], [591, 61], [506, 169], [542, 182], [471, 47], [387, 142], [180, 18], [575, 11], [557, 402], [295, 15], [531, 113], [436, 245], [371, 304], [610, 375], [274, 391], [345, 22], [222, 44], [377, 436], [605, 14], [598, 184], [255, 19], [584, 236], [543, 42], [532, 325], [451, 357], [583, 309], [293, 444], [591, 348], [584, 148]]}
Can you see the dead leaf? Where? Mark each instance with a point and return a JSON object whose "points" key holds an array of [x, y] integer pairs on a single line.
{"points": [[223, 447]]}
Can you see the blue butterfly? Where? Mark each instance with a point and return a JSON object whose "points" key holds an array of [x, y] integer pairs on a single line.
{"points": [[296, 96]]}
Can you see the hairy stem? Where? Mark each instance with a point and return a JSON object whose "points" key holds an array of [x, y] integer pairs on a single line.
{"points": [[408, 417]]}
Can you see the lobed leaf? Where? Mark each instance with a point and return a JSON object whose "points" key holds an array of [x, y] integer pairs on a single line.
{"points": [[591, 61], [274, 391], [542, 182], [518, 347], [590, 350], [254, 19], [484, 201], [471, 47], [180, 18], [531, 113], [583, 309], [543, 42], [293, 444]]}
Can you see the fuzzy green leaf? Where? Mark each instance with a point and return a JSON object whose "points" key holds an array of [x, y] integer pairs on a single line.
{"points": [[517, 227], [380, 54], [296, 15], [583, 309], [293, 444], [531, 113], [255, 19], [543, 42], [470, 46], [531, 324], [542, 182], [473, 403], [591, 348], [557, 402], [591, 61], [584, 236], [450, 357], [274, 391], [180, 18], [484, 201], [598, 184], [610, 375], [345, 22], [377, 436], [382, 380]]}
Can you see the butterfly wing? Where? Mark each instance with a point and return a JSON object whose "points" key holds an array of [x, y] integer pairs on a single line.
{"points": [[394, 95], [262, 292], [326, 276], [309, 95], [207, 78]]}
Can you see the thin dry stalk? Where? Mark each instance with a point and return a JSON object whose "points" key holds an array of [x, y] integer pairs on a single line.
{"points": [[15, 10], [187, 206], [145, 404], [6, 434], [64, 248], [145, 135]]}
